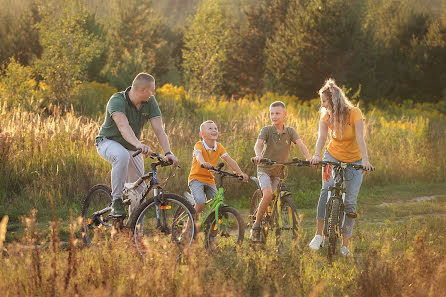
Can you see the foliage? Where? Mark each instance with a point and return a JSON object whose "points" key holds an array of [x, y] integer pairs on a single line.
{"points": [[18, 33], [18, 86], [207, 42], [67, 48], [90, 99], [138, 39]]}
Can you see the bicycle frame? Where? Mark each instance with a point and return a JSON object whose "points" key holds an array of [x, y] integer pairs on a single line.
{"points": [[215, 204], [158, 197]]}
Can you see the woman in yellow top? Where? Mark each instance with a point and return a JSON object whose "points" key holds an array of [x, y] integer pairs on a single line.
{"points": [[345, 123]]}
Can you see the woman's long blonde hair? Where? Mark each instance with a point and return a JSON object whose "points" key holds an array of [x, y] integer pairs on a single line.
{"points": [[339, 106]]}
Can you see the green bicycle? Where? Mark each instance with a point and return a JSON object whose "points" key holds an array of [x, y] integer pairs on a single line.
{"points": [[222, 225]]}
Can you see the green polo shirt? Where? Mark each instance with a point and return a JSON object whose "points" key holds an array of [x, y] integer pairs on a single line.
{"points": [[120, 102], [277, 147]]}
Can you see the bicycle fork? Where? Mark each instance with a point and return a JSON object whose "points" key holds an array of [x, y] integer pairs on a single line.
{"points": [[160, 210], [328, 211]]}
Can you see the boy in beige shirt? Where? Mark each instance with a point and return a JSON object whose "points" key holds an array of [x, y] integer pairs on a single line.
{"points": [[274, 142]]}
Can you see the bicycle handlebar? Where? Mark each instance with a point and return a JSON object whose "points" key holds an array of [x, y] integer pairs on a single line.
{"points": [[343, 165], [163, 162], [295, 161], [224, 173]]}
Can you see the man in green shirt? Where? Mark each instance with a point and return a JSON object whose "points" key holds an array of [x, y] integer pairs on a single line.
{"points": [[126, 114]]}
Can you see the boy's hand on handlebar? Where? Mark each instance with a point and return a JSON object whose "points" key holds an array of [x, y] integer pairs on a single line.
{"points": [[145, 149], [173, 158], [245, 177], [207, 165], [256, 160], [366, 166]]}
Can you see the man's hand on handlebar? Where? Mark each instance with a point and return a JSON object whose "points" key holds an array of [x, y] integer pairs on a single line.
{"points": [[173, 159], [145, 149]]}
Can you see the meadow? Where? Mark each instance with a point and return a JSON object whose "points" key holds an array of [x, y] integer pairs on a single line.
{"points": [[48, 162]]}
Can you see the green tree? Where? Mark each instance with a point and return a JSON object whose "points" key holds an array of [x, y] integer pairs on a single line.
{"points": [[18, 33], [67, 48], [138, 42], [207, 41], [246, 55], [18, 85], [318, 39], [395, 30]]}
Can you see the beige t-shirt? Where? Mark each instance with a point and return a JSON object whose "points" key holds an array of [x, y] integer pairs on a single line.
{"points": [[277, 147]]}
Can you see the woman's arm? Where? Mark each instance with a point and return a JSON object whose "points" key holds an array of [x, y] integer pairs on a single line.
{"points": [[322, 137], [359, 132]]}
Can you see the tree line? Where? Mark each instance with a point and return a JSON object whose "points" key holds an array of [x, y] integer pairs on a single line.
{"points": [[52, 51]]}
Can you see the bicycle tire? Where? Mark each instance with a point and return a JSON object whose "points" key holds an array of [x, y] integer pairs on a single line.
{"points": [[229, 235], [333, 224], [286, 233], [97, 198], [144, 218]]}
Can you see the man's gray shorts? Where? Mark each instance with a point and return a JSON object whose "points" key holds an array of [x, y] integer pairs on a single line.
{"points": [[201, 190], [267, 181]]}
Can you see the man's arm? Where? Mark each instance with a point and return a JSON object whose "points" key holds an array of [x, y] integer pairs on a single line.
{"points": [[127, 133], [157, 126]]}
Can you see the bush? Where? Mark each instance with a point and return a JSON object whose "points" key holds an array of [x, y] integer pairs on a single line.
{"points": [[91, 98]]}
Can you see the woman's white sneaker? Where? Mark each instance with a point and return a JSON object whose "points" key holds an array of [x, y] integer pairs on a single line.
{"points": [[315, 243]]}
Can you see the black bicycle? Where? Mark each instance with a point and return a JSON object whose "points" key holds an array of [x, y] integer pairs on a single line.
{"points": [[153, 220], [334, 208]]}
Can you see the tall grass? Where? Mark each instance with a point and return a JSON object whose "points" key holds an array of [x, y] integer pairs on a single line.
{"points": [[414, 265], [45, 154]]}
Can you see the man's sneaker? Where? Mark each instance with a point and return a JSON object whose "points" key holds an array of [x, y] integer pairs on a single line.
{"points": [[345, 252], [118, 209], [254, 236], [316, 242]]}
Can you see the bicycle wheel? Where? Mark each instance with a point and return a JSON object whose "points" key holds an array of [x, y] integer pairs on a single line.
{"points": [[255, 201], [96, 228], [285, 221], [333, 227], [231, 231], [175, 214]]}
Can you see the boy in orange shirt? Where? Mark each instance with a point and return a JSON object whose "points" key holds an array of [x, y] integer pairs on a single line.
{"points": [[206, 154]]}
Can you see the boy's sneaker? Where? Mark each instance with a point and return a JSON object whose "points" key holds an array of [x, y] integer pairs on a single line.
{"points": [[345, 252], [185, 237], [118, 209], [213, 243], [316, 242], [254, 236]]}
